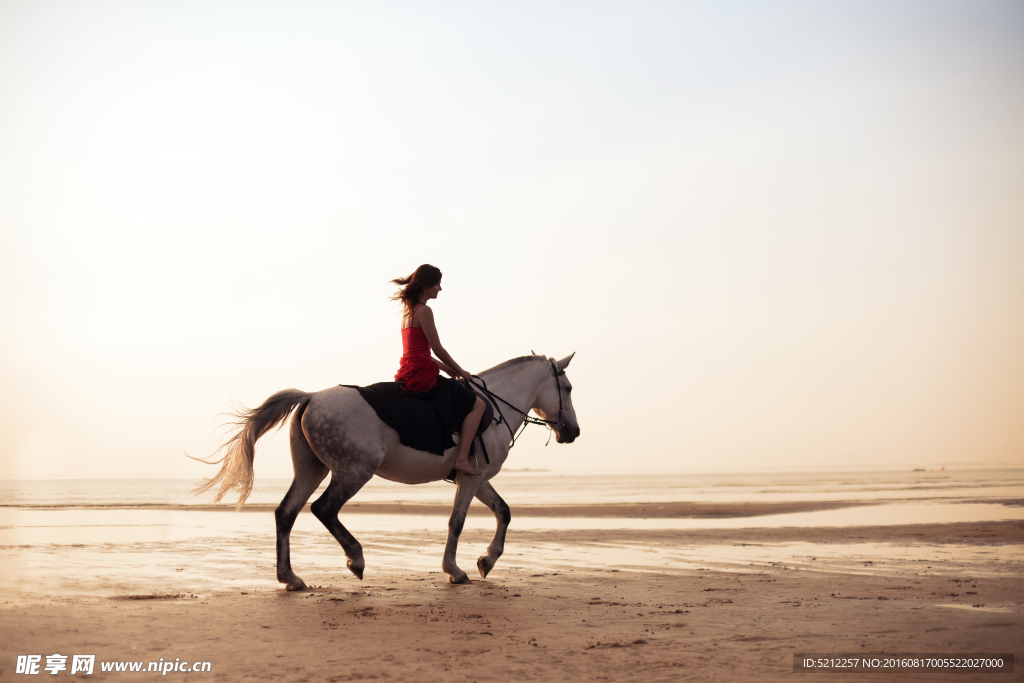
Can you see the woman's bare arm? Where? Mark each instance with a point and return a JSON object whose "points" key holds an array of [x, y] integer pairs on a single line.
{"points": [[443, 367], [425, 317]]}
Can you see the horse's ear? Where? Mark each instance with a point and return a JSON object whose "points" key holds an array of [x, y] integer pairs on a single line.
{"points": [[564, 363]]}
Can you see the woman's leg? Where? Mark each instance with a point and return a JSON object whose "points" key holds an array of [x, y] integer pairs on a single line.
{"points": [[469, 426]]}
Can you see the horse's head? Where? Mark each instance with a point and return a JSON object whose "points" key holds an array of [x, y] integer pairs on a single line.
{"points": [[555, 403]]}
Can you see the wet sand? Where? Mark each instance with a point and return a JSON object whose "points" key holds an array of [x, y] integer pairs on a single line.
{"points": [[611, 510], [562, 604]]}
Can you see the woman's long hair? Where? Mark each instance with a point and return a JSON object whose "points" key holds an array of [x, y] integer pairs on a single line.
{"points": [[411, 287]]}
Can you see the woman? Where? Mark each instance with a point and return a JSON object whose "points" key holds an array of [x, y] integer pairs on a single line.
{"points": [[419, 372]]}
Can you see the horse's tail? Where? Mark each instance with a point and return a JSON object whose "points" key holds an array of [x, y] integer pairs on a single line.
{"points": [[240, 450]]}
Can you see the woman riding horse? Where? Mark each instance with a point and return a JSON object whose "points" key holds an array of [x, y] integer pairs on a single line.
{"points": [[419, 372]]}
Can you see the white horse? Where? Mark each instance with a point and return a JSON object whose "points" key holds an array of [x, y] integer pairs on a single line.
{"points": [[336, 430]]}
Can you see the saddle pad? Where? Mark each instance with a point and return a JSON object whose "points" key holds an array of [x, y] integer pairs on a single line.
{"points": [[424, 420], [488, 417]]}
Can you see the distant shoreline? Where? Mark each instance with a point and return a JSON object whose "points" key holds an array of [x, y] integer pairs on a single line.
{"points": [[606, 510], [948, 468]]}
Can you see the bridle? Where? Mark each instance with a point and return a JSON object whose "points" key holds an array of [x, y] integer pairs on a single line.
{"points": [[528, 419]]}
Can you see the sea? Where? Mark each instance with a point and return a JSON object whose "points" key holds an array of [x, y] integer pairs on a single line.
{"points": [[882, 497], [550, 488]]}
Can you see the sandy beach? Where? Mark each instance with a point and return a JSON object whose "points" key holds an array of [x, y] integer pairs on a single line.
{"points": [[562, 603]]}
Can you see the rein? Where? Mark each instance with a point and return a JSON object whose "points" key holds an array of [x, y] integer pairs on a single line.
{"points": [[528, 419]]}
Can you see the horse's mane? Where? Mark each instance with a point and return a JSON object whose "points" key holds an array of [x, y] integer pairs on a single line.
{"points": [[514, 361]]}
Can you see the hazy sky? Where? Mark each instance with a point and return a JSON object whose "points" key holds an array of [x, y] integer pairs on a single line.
{"points": [[776, 234]]}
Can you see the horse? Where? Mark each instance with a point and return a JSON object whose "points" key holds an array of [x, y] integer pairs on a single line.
{"points": [[336, 431]]}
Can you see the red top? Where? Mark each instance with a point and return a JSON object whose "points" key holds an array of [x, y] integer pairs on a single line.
{"points": [[417, 372]]}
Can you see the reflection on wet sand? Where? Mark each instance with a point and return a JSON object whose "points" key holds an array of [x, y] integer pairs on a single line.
{"points": [[21, 526], [246, 558]]}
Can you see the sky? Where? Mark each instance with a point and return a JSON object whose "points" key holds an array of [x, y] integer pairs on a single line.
{"points": [[775, 234]]}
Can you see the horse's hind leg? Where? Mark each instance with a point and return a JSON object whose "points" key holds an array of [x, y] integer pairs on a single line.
{"points": [[344, 484], [489, 497], [309, 472]]}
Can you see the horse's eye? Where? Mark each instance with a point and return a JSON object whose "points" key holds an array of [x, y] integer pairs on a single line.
{"points": [[568, 390]]}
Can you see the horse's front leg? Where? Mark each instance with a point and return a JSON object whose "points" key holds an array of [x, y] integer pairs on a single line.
{"points": [[466, 489], [489, 497]]}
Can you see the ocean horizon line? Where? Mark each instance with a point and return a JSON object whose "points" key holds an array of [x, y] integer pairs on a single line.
{"points": [[966, 467]]}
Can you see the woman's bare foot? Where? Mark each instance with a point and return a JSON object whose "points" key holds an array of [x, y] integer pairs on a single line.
{"points": [[462, 465], [469, 425]]}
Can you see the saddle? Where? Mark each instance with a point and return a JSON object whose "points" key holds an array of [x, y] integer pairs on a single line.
{"points": [[420, 422]]}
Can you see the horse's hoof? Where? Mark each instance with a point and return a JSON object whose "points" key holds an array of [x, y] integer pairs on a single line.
{"points": [[296, 584], [484, 566], [356, 567], [459, 578]]}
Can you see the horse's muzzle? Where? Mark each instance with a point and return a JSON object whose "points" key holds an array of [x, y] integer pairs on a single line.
{"points": [[567, 435]]}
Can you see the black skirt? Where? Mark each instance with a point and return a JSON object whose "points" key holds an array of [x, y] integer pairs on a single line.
{"points": [[424, 420]]}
